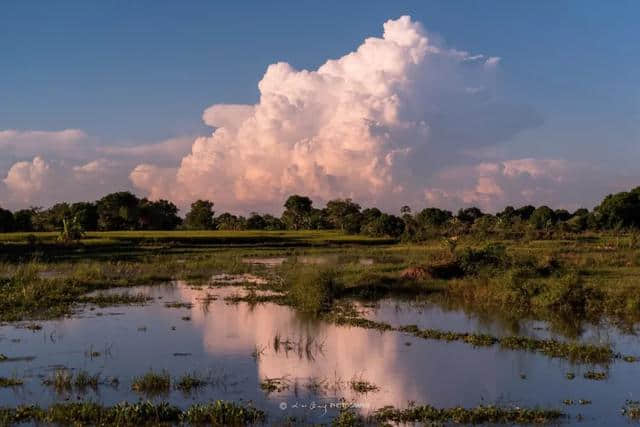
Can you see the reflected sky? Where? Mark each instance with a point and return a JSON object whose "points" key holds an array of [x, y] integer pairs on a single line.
{"points": [[219, 340]]}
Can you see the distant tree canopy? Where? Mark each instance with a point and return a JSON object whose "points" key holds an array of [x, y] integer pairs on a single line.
{"points": [[200, 217], [620, 210], [125, 211]]}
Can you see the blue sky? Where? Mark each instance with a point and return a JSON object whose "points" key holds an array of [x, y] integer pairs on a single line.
{"points": [[131, 73]]}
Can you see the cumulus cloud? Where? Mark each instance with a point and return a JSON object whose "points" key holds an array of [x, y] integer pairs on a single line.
{"points": [[403, 119], [373, 125], [44, 167], [493, 185]]}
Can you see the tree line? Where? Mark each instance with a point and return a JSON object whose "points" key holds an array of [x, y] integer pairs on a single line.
{"points": [[125, 211]]}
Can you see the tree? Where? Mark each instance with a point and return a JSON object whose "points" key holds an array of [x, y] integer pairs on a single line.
{"points": [[344, 215], [542, 217], [433, 217], [272, 223], [158, 215], [256, 222], [6, 221], [297, 212], [620, 210], [469, 215], [562, 215], [525, 212], [86, 214], [23, 220], [51, 219], [200, 217], [118, 211], [227, 221], [385, 225]]}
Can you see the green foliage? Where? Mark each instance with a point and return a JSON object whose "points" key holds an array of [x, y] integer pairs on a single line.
{"points": [[71, 230], [118, 211], [312, 289], [200, 217], [297, 212], [158, 215], [620, 210], [543, 217], [344, 215]]}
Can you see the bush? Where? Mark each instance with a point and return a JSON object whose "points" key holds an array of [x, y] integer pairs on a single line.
{"points": [[313, 290]]}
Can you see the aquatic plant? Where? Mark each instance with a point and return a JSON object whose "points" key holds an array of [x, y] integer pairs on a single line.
{"points": [[271, 385], [597, 376], [459, 415], [10, 382], [152, 383], [189, 382], [360, 385]]}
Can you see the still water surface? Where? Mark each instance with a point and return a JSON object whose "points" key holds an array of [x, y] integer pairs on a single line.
{"points": [[234, 345]]}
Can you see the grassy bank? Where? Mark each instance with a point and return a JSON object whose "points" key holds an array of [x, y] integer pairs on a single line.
{"points": [[565, 281]]}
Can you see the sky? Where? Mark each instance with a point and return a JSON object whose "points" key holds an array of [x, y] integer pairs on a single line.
{"points": [[426, 103]]}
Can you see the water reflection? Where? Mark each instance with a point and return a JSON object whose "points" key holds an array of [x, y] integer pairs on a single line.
{"points": [[239, 345]]}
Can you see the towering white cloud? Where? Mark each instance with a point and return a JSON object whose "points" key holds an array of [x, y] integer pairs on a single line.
{"points": [[372, 125]]}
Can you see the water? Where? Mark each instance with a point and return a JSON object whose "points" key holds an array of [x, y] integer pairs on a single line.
{"points": [[315, 360]]}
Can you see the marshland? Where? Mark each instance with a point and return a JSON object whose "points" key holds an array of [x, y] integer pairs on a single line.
{"points": [[519, 324]]}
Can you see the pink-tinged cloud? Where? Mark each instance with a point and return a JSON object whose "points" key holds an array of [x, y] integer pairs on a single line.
{"points": [[493, 185], [371, 125]]}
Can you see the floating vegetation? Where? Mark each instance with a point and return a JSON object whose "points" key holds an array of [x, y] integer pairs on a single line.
{"points": [[258, 351], [218, 413], [596, 376], [630, 359], [190, 382], [10, 382], [33, 327], [238, 279], [271, 385], [107, 299], [152, 383], [254, 298], [178, 304], [584, 401], [631, 409], [459, 415], [570, 375], [64, 380], [360, 385], [304, 347], [3, 357]]}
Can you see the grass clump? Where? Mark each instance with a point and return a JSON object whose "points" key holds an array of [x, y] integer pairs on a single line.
{"points": [[631, 410], [190, 382], [152, 383], [573, 351], [105, 300], [218, 413], [221, 413], [64, 380], [271, 385], [312, 289], [10, 382], [360, 385], [478, 415], [596, 376]]}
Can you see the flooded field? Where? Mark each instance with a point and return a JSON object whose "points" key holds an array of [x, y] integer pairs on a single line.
{"points": [[292, 365]]}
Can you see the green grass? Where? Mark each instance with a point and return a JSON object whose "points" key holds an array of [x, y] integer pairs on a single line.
{"points": [[459, 415], [218, 413], [10, 382], [564, 281], [152, 383]]}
